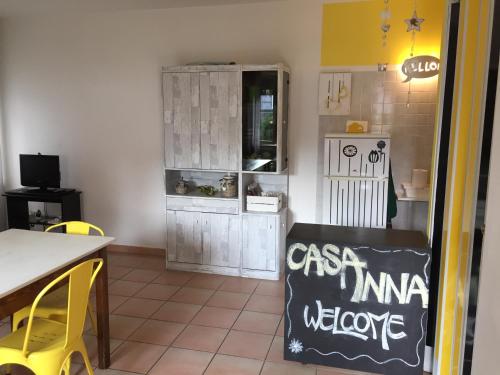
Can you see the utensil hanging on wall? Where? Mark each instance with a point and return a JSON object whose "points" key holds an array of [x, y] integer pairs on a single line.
{"points": [[334, 94]]}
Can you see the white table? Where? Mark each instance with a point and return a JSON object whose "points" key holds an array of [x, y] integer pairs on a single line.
{"points": [[29, 260]]}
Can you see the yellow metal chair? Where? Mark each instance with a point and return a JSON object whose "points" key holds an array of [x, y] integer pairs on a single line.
{"points": [[76, 227], [45, 346], [54, 305]]}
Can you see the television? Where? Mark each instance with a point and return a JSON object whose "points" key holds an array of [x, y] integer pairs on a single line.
{"points": [[41, 171]]}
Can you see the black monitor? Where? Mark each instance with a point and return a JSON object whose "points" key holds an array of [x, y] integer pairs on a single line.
{"points": [[40, 171]]}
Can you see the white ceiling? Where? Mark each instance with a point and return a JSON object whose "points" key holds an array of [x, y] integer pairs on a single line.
{"points": [[10, 7]]}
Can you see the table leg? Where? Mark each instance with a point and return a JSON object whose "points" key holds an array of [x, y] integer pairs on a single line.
{"points": [[102, 307]]}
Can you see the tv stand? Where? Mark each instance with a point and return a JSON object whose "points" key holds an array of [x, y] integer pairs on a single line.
{"points": [[17, 204], [43, 190]]}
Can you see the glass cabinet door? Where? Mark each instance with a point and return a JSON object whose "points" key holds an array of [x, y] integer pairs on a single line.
{"points": [[284, 125], [260, 120]]}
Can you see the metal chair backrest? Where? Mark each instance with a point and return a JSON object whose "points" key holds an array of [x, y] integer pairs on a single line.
{"points": [[80, 278], [76, 227]]}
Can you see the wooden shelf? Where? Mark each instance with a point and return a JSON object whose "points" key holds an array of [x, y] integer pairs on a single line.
{"points": [[245, 212], [284, 172], [197, 194], [412, 199], [225, 171], [44, 220]]}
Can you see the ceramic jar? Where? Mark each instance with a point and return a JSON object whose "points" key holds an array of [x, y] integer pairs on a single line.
{"points": [[229, 186], [181, 187]]}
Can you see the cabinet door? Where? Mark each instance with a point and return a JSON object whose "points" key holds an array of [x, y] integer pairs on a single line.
{"points": [[284, 121], [355, 203], [181, 103], [259, 233], [221, 240], [220, 102], [184, 242]]}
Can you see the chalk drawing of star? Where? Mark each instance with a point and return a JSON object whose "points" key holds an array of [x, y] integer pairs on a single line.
{"points": [[414, 22], [295, 346]]}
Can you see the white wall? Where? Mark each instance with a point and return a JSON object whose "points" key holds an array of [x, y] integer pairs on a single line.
{"points": [[87, 87]]}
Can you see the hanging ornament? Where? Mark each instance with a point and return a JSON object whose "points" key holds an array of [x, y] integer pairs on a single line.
{"points": [[385, 25], [414, 22]]}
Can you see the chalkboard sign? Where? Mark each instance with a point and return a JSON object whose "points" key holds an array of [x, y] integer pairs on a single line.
{"points": [[357, 298]]}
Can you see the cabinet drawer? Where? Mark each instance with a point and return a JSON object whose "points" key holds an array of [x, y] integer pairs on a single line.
{"points": [[212, 205]]}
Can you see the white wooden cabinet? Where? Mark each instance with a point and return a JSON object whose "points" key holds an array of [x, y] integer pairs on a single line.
{"points": [[203, 109], [355, 184]]}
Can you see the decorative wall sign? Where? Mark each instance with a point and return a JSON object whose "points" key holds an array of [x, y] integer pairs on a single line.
{"points": [[373, 157], [334, 94], [350, 151], [370, 160], [357, 298], [420, 67]]}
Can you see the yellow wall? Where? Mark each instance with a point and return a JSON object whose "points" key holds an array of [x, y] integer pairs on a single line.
{"points": [[351, 32], [463, 165]]}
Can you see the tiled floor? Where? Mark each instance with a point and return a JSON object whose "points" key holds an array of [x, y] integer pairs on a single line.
{"points": [[180, 323]]}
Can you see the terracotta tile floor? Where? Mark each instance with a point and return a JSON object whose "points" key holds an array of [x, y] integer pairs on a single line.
{"points": [[182, 323]]}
